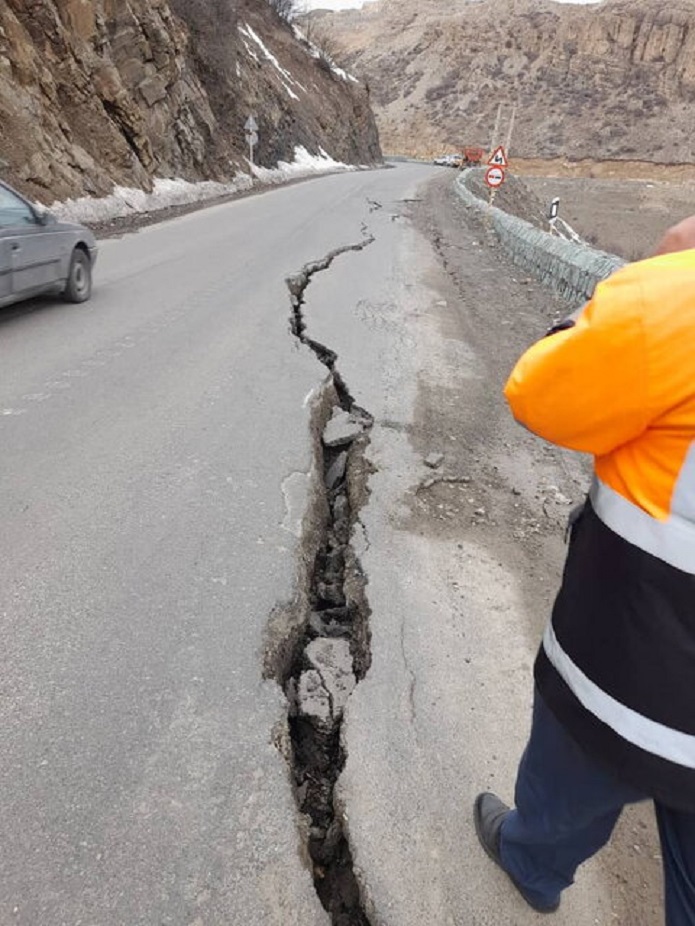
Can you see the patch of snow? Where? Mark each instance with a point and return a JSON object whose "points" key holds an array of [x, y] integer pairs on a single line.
{"points": [[341, 4], [124, 201], [341, 73], [304, 165], [285, 77], [251, 52], [316, 52]]}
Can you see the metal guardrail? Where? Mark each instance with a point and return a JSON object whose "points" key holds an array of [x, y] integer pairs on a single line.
{"points": [[571, 269]]}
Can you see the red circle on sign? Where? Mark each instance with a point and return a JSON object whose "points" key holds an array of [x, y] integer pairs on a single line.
{"points": [[495, 177]]}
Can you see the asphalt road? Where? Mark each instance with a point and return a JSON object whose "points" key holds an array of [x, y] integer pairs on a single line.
{"points": [[147, 440], [156, 456]]}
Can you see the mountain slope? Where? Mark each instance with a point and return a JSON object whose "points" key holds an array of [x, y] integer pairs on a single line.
{"points": [[121, 91], [614, 80]]}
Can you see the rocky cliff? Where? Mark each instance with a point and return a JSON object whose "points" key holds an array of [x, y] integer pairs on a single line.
{"points": [[612, 80], [97, 92]]}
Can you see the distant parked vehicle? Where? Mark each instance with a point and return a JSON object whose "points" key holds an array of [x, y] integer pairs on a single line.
{"points": [[448, 160], [473, 156], [39, 254]]}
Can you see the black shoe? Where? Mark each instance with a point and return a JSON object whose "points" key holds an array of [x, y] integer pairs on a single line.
{"points": [[489, 813]]}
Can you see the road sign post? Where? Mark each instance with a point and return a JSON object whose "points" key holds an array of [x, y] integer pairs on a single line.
{"points": [[554, 212], [495, 177], [498, 158], [251, 129]]}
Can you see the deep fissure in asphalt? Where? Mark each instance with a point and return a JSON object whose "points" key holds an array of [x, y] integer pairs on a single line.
{"points": [[333, 652]]}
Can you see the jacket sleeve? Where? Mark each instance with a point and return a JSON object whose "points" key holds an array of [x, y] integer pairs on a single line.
{"points": [[585, 388]]}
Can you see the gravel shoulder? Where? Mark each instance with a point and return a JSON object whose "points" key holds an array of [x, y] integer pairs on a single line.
{"points": [[463, 563], [623, 217]]}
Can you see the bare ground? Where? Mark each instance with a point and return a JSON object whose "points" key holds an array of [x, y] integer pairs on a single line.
{"points": [[624, 217], [506, 493]]}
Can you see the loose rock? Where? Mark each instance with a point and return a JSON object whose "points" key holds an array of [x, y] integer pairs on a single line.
{"points": [[434, 460], [342, 429], [313, 700], [333, 661], [324, 626], [296, 283], [336, 471]]}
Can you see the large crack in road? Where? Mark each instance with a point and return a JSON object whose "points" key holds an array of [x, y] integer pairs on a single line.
{"points": [[326, 650]]}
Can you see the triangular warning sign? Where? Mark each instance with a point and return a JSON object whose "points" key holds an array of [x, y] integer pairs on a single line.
{"points": [[498, 158]]}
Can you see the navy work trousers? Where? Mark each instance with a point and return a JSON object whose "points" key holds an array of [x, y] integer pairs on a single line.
{"points": [[566, 808]]}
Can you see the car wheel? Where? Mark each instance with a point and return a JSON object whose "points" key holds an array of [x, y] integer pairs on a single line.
{"points": [[79, 285]]}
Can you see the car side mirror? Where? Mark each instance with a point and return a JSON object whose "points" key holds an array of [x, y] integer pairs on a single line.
{"points": [[44, 217]]}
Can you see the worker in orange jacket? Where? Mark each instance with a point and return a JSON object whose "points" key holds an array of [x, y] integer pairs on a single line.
{"points": [[614, 712]]}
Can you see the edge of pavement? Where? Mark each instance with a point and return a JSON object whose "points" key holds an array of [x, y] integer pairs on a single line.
{"points": [[461, 577]]}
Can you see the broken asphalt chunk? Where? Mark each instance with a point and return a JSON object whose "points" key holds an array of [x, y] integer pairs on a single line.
{"points": [[342, 429], [313, 700], [333, 661], [434, 460], [336, 471], [296, 284], [323, 626]]}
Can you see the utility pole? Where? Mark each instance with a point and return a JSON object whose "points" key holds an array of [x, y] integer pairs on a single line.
{"points": [[511, 129], [495, 133]]}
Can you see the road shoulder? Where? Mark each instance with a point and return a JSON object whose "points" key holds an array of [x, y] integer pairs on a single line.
{"points": [[463, 562]]}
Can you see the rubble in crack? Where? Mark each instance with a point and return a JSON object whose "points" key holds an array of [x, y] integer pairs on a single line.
{"points": [[331, 659], [332, 654]]}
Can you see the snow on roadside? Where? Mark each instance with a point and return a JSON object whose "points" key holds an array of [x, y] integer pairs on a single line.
{"points": [[124, 201], [304, 165]]}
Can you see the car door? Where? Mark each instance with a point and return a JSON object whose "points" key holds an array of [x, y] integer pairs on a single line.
{"points": [[5, 268], [34, 252]]}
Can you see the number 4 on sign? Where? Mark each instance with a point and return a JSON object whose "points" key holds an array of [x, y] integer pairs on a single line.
{"points": [[498, 158]]}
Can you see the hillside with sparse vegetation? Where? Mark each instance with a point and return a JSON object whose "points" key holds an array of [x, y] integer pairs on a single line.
{"points": [[613, 80]]}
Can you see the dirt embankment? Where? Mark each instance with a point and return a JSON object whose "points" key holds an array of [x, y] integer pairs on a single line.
{"points": [[506, 492], [590, 169], [622, 216]]}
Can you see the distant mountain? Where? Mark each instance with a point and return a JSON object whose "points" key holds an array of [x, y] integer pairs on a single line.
{"points": [[612, 80], [101, 92]]}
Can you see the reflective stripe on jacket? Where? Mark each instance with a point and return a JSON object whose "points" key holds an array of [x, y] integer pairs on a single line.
{"points": [[618, 659]]}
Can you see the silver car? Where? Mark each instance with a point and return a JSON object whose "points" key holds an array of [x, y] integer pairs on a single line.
{"points": [[39, 254]]}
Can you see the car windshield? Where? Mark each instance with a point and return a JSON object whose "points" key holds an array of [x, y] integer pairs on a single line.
{"points": [[13, 210]]}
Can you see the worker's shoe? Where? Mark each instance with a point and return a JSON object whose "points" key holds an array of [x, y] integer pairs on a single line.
{"points": [[490, 813]]}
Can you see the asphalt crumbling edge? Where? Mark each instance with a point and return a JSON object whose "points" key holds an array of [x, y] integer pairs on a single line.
{"points": [[318, 648]]}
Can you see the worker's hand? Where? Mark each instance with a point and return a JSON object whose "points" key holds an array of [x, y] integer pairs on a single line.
{"points": [[680, 237]]}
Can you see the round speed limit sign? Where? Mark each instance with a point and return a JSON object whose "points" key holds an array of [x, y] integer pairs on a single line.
{"points": [[495, 177]]}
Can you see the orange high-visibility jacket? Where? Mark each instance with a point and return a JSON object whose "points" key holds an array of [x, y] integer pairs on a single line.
{"points": [[617, 664]]}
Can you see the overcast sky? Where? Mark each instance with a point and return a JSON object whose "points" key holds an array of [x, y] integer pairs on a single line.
{"points": [[352, 4]]}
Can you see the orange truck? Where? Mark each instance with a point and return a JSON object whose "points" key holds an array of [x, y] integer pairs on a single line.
{"points": [[473, 156]]}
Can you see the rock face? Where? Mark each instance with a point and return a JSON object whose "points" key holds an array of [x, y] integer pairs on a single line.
{"points": [[97, 92], [612, 80]]}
